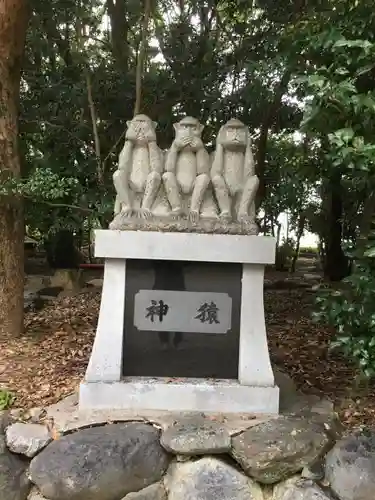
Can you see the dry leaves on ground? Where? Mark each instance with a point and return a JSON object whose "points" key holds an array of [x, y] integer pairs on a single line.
{"points": [[301, 349], [48, 362]]}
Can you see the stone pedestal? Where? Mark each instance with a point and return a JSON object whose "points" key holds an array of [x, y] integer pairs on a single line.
{"points": [[105, 387]]}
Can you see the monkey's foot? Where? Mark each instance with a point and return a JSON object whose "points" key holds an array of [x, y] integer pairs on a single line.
{"points": [[145, 213], [126, 211], [248, 221], [245, 218], [176, 212], [225, 216], [252, 228], [194, 216], [121, 218]]}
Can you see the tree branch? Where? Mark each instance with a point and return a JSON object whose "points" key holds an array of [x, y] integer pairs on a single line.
{"points": [[60, 205], [113, 149], [99, 168]]}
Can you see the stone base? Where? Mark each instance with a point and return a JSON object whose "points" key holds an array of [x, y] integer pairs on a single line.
{"points": [[104, 385], [185, 395], [183, 225]]}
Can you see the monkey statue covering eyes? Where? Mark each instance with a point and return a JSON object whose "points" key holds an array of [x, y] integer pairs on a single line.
{"points": [[233, 174], [138, 177]]}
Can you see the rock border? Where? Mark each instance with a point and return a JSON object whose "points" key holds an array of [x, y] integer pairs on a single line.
{"points": [[297, 456]]}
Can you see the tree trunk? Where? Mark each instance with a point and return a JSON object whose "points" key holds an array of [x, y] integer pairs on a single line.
{"points": [[117, 12], [142, 54], [301, 228], [272, 226], [13, 25], [336, 265], [278, 234]]}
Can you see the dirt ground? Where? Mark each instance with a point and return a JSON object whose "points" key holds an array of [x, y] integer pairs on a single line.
{"points": [[49, 360]]}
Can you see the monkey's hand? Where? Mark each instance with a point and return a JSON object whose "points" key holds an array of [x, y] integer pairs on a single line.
{"points": [[181, 142], [196, 143]]}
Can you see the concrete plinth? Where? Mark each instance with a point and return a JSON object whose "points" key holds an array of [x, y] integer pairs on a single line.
{"points": [[217, 396], [105, 387]]}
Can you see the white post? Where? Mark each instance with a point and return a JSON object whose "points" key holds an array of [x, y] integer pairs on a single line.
{"points": [[254, 366], [105, 363]]}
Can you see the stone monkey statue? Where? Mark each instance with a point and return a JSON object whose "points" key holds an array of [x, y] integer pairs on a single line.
{"points": [[233, 173], [139, 170], [187, 168]]}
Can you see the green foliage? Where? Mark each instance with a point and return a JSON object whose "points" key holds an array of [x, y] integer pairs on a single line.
{"points": [[342, 107], [6, 399], [351, 312], [338, 83], [42, 185]]}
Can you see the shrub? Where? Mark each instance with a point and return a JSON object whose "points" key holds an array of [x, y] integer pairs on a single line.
{"points": [[6, 399], [351, 311]]}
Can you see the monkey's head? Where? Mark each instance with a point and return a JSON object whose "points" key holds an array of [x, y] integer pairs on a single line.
{"points": [[234, 135], [141, 130], [188, 133]]}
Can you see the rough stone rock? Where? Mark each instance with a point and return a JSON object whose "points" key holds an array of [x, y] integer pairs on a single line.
{"points": [[100, 463], [5, 420], [321, 411], [278, 490], [274, 450], [35, 495], [313, 404], [297, 489], [350, 468], [210, 479], [152, 492], [196, 436], [35, 415], [14, 484], [27, 439], [314, 471]]}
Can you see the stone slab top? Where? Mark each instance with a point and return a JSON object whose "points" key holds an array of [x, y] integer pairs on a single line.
{"points": [[66, 417], [154, 245]]}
